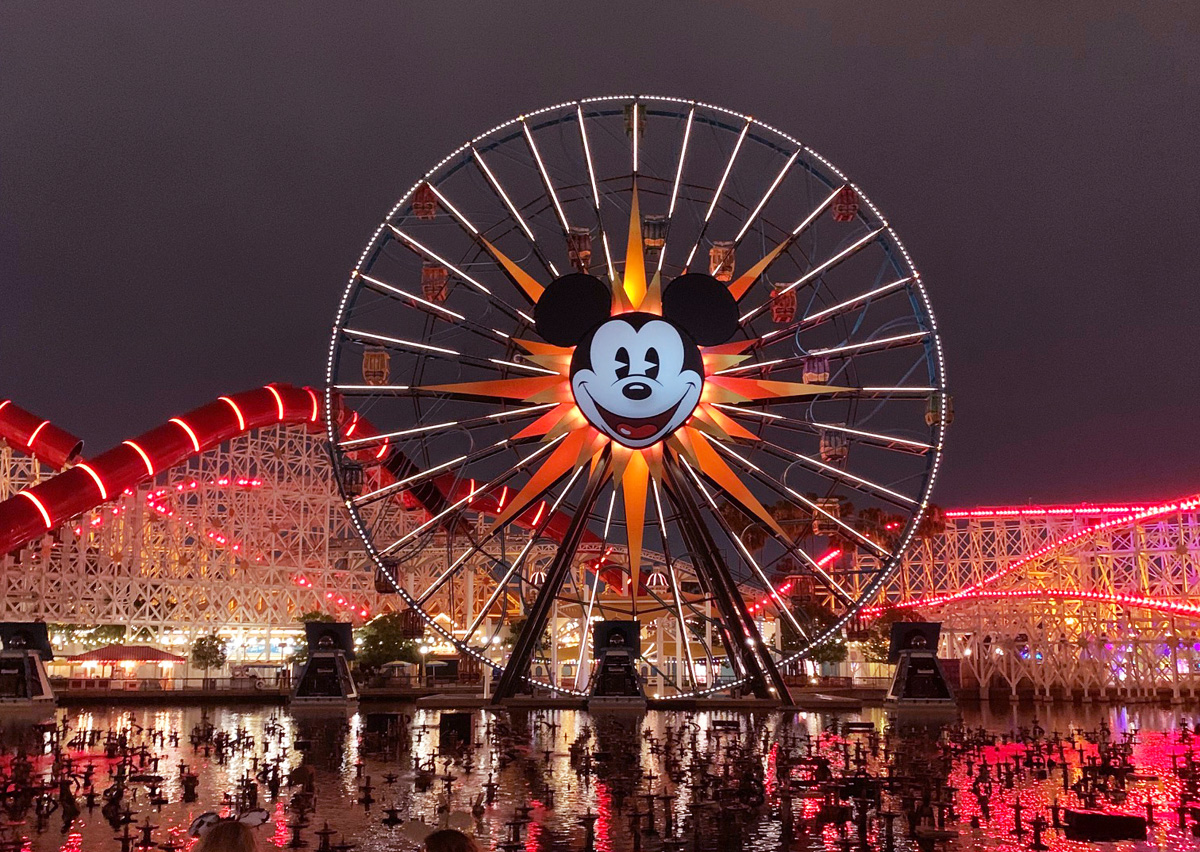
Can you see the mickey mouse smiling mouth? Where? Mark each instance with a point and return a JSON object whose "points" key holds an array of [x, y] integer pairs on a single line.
{"points": [[634, 428]]}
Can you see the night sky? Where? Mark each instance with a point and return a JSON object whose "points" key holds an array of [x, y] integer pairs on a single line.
{"points": [[185, 186]]}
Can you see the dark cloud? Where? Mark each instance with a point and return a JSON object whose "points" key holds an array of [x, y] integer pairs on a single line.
{"points": [[184, 186]]}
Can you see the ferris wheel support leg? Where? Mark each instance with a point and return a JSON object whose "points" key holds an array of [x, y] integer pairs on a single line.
{"points": [[535, 623], [765, 678]]}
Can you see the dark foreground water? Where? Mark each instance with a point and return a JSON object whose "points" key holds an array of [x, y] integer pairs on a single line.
{"points": [[345, 753]]}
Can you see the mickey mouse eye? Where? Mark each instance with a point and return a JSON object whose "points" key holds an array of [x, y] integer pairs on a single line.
{"points": [[653, 360], [622, 363]]}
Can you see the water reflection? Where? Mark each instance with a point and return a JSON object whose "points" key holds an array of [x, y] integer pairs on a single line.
{"points": [[377, 769]]}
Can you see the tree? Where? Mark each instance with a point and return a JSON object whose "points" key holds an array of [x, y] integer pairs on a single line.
{"points": [[315, 615], [881, 527], [89, 636], [382, 640], [879, 634], [516, 626], [208, 652], [300, 655], [933, 523], [815, 619]]}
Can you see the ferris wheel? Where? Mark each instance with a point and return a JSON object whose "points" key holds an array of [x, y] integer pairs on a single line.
{"points": [[637, 359]]}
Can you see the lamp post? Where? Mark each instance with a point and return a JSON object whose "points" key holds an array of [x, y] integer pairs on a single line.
{"points": [[424, 649]]}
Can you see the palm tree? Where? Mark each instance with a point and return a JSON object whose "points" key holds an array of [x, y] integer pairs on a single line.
{"points": [[880, 526]]}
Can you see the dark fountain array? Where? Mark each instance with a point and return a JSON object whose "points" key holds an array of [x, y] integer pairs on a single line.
{"points": [[541, 780]]}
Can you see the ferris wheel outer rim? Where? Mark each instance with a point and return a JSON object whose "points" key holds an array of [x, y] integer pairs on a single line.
{"points": [[917, 285]]}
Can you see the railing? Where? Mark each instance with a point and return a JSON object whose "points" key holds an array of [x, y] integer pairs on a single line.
{"points": [[223, 685], [837, 682]]}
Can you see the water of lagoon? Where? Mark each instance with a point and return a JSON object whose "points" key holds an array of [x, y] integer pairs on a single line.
{"points": [[341, 764]]}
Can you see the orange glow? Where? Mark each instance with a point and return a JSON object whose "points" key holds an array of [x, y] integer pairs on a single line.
{"points": [[37, 431], [316, 407], [278, 401], [195, 442], [95, 478], [142, 453], [41, 509], [632, 471], [353, 424], [241, 420]]}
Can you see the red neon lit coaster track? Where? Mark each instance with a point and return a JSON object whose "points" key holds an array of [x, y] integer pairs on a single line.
{"points": [[979, 591], [89, 484], [32, 435]]}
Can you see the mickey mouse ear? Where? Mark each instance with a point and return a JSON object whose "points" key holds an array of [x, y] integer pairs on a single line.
{"points": [[254, 817], [571, 307], [201, 824], [702, 306]]}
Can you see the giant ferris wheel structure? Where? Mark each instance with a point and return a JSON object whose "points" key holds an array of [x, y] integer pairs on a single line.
{"points": [[587, 249]]}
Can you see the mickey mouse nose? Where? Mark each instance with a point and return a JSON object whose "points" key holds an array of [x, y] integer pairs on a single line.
{"points": [[636, 390]]}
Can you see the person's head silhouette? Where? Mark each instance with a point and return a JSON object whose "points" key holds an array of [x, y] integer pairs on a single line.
{"points": [[449, 840]]}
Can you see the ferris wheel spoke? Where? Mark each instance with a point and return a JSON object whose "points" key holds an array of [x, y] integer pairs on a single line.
{"points": [[546, 182], [815, 567], [501, 588], [742, 284], [862, 348], [880, 344], [373, 390], [591, 170], [469, 459], [433, 309], [887, 392], [442, 353], [825, 314], [585, 627], [716, 196], [750, 220], [472, 423], [898, 392], [494, 182], [683, 148], [534, 535], [424, 251], [890, 442], [820, 269], [535, 622], [542, 521], [429, 254], [524, 282], [744, 550], [681, 632], [786, 491], [406, 483], [676, 606], [837, 476], [737, 629]]}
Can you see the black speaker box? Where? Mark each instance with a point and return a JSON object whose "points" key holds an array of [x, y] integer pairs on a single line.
{"points": [[913, 636]]}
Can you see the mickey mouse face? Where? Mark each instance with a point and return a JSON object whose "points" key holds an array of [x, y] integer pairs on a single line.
{"points": [[636, 376]]}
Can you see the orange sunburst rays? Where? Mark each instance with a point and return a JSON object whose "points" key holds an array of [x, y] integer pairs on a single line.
{"points": [[632, 469]]}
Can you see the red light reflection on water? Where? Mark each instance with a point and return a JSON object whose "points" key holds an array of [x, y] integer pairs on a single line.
{"points": [[769, 778], [281, 835], [604, 812]]}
